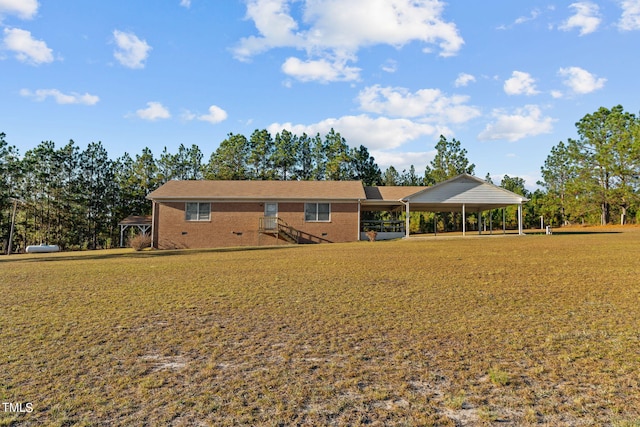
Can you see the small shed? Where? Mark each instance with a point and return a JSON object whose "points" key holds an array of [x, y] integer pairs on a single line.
{"points": [[140, 222]]}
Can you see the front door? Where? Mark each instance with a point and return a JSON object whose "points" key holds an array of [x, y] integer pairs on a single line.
{"points": [[271, 215]]}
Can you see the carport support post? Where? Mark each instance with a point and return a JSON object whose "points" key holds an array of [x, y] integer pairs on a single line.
{"points": [[406, 225], [435, 223], [464, 221], [520, 218]]}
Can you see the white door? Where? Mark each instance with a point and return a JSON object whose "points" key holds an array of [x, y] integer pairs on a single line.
{"points": [[270, 214]]}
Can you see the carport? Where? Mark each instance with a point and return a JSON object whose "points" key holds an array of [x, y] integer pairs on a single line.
{"points": [[464, 193]]}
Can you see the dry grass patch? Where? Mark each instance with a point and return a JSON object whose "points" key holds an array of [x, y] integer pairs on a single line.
{"points": [[396, 333]]}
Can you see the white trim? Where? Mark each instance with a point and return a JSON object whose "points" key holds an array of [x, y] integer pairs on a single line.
{"points": [[198, 212], [317, 212], [242, 199]]}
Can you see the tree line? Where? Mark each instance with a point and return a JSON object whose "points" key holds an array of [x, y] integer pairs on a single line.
{"points": [[596, 177], [75, 198]]}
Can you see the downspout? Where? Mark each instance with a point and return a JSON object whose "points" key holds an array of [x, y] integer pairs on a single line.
{"points": [[359, 218], [153, 224]]}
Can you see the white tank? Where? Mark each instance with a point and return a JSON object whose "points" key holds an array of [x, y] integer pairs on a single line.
{"points": [[42, 249]]}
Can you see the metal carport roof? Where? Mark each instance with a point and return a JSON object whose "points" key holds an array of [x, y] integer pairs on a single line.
{"points": [[472, 192]]}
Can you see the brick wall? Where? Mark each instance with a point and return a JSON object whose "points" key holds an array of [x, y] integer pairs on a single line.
{"points": [[236, 224]]}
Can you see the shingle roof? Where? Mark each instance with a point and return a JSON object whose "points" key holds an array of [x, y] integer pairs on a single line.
{"points": [[263, 190], [452, 194], [136, 220], [391, 193]]}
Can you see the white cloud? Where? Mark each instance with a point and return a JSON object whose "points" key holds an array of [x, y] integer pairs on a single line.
{"points": [[520, 83], [524, 122], [275, 25], [429, 105], [153, 112], [383, 137], [374, 133], [24, 9], [351, 24], [556, 94], [319, 70], [464, 79], [131, 52], [586, 18], [188, 115], [581, 81], [332, 31], [185, 3], [390, 66], [216, 115], [27, 48], [521, 20], [403, 160], [61, 98], [630, 19]]}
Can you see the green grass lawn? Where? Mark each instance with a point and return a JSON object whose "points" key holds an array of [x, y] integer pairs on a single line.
{"points": [[504, 330]]}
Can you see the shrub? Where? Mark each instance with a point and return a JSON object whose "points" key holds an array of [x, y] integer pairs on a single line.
{"points": [[140, 242], [372, 235]]}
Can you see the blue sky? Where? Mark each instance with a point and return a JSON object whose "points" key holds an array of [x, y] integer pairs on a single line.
{"points": [[507, 79]]}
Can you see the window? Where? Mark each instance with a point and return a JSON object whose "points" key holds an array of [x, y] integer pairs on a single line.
{"points": [[317, 211], [198, 211]]}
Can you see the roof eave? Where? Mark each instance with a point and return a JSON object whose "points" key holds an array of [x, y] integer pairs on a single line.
{"points": [[251, 199]]}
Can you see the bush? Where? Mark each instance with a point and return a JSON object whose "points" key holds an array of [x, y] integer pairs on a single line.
{"points": [[140, 242]]}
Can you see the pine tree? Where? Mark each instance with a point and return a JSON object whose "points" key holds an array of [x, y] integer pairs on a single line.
{"points": [[229, 161], [449, 162], [259, 162]]}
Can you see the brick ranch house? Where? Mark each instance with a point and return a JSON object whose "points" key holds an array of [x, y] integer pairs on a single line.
{"points": [[206, 214]]}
